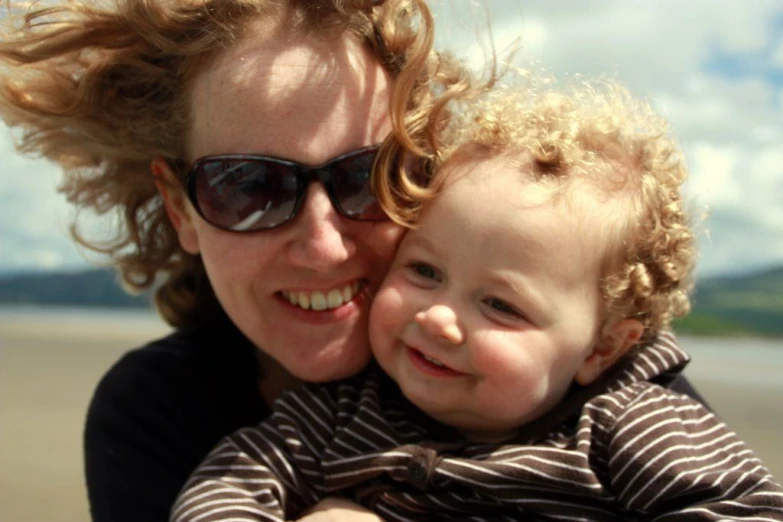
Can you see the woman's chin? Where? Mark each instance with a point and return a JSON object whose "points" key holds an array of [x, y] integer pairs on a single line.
{"points": [[326, 367]]}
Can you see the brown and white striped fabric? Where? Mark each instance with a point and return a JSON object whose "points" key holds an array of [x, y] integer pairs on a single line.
{"points": [[623, 449]]}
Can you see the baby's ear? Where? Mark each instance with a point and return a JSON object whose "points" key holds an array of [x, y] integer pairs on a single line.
{"points": [[616, 339]]}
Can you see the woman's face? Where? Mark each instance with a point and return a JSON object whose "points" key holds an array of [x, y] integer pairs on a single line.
{"points": [[308, 101]]}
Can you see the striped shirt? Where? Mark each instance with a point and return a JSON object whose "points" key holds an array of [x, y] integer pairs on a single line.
{"points": [[625, 448]]}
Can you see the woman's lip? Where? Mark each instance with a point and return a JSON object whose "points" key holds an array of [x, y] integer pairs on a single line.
{"points": [[325, 287], [428, 368]]}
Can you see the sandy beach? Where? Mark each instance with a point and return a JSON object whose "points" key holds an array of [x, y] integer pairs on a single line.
{"points": [[49, 368]]}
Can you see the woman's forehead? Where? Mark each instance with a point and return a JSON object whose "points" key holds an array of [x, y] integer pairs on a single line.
{"points": [[297, 89]]}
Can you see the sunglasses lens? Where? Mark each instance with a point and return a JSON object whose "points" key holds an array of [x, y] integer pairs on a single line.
{"points": [[244, 195], [351, 185]]}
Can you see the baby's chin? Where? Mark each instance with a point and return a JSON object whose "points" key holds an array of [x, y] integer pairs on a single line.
{"points": [[474, 426], [480, 432], [489, 437]]}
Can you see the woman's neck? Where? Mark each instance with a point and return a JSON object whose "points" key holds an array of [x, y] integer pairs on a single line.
{"points": [[273, 379]]}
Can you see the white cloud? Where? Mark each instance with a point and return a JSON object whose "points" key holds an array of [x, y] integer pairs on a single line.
{"points": [[34, 218], [777, 56], [731, 243], [736, 112], [766, 185], [712, 181]]}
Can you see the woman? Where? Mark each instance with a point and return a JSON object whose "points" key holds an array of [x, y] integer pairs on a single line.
{"points": [[126, 99], [267, 279]]}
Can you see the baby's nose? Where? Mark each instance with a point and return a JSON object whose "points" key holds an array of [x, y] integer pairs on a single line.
{"points": [[441, 321]]}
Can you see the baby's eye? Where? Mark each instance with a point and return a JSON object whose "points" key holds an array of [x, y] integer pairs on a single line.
{"points": [[503, 307], [425, 271]]}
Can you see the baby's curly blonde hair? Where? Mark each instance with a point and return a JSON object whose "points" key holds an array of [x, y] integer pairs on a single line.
{"points": [[102, 88], [597, 133]]}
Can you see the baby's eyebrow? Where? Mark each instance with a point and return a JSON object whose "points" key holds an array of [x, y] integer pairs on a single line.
{"points": [[418, 239]]}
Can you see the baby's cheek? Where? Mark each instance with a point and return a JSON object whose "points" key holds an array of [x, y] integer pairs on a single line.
{"points": [[387, 299], [512, 376], [498, 357], [384, 316]]}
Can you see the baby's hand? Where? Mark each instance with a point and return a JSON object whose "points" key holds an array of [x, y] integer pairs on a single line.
{"points": [[336, 509]]}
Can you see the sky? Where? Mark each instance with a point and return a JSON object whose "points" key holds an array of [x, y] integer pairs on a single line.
{"points": [[713, 68]]}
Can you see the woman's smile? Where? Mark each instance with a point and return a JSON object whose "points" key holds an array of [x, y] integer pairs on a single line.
{"points": [[319, 300]]}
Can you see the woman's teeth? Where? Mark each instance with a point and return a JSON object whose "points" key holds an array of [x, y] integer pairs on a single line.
{"points": [[318, 300]]}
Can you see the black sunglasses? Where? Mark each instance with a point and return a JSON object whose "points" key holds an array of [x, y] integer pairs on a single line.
{"points": [[247, 193]]}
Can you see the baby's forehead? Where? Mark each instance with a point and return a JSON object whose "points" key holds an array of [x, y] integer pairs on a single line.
{"points": [[595, 202], [513, 179], [603, 179]]}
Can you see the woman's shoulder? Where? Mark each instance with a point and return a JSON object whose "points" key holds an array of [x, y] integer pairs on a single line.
{"points": [[160, 409], [204, 371], [208, 346]]}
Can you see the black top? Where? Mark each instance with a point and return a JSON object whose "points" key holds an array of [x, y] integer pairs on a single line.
{"points": [[157, 413], [160, 409]]}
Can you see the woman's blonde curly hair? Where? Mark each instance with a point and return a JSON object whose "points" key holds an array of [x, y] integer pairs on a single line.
{"points": [[102, 88], [597, 133]]}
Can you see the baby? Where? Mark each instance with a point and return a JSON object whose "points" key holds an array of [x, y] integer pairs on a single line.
{"points": [[520, 343]]}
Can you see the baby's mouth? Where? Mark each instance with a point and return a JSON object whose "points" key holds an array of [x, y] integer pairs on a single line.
{"points": [[434, 364], [432, 361]]}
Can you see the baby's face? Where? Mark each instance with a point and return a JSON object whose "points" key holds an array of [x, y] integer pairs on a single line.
{"points": [[492, 305]]}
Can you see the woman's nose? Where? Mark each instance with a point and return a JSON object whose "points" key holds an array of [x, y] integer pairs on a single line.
{"points": [[320, 238], [441, 321]]}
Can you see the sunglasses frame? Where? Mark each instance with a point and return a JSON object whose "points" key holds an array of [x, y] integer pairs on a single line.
{"points": [[303, 174]]}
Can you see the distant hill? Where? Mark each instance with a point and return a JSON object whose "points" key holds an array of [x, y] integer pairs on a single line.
{"points": [[737, 305], [98, 287], [749, 304]]}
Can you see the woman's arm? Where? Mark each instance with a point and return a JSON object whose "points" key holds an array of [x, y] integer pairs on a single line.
{"points": [[681, 384], [232, 484], [246, 477], [267, 472]]}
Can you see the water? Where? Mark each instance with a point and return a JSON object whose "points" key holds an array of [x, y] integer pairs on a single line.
{"points": [[738, 349], [751, 361], [73, 315]]}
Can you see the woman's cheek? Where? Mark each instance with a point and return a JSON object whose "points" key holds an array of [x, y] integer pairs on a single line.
{"points": [[239, 258]]}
